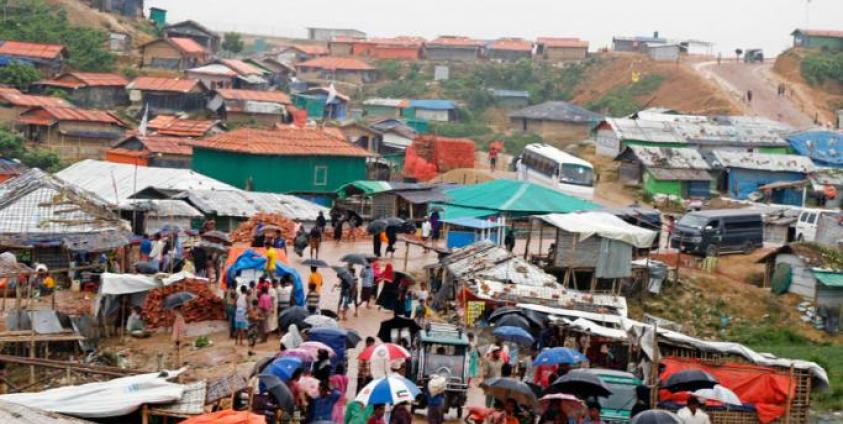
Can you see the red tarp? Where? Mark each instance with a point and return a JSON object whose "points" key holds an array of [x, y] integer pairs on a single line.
{"points": [[227, 416], [766, 388]]}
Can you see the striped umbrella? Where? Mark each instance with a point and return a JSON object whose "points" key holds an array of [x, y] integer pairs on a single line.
{"points": [[315, 347], [384, 351], [392, 390]]}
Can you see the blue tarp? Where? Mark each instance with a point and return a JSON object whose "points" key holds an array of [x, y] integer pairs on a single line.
{"points": [[433, 104], [250, 259], [743, 182], [825, 148]]}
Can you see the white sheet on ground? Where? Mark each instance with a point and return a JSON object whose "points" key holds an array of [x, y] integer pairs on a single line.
{"points": [[602, 224], [112, 398]]}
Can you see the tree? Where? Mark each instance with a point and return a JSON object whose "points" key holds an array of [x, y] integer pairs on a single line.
{"points": [[738, 53], [12, 146], [232, 42], [19, 75]]}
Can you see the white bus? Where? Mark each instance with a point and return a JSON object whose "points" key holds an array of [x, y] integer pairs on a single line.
{"points": [[551, 167]]}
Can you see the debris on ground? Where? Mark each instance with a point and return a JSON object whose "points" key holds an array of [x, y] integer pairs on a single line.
{"points": [[205, 307]]}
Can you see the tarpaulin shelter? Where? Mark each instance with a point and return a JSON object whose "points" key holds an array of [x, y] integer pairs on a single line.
{"points": [[114, 398], [242, 258], [134, 285], [824, 147], [510, 197]]}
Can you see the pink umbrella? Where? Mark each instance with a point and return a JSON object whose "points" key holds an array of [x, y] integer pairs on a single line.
{"points": [[310, 386], [569, 403], [315, 347], [303, 354], [384, 351]]}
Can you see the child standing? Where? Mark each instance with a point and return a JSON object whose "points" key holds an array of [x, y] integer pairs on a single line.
{"points": [[241, 321], [312, 298]]}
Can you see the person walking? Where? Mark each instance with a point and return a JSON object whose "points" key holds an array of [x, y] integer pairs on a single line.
{"points": [[316, 279], [179, 332], [157, 252], [145, 248], [436, 226], [692, 413], [509, 239], [749, 96], [367, 285], [426, 231], [376, 244], [391, 238], [315, 240], [272, 320], [241, 322], [321, 222], [493, 158], [312, 299], [492, 369]]}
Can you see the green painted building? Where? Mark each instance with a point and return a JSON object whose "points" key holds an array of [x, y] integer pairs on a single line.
{"points": [[678, 172], [285, 160], [818, 39]]}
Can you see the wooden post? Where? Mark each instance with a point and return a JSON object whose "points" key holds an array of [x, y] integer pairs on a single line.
{"points": [[32, 355], [654, 395], [406, 254], [529, 239], [68, 376], [541, 237], [3, 386], [145, 414], [787, 404], [123, 318]]}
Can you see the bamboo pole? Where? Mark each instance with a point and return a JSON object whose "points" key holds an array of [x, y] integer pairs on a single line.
{"points": [[789, 401], [406, 254], [654, 396], [529, 239]]}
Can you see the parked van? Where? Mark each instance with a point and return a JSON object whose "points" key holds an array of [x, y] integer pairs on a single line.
{"points": [[806, 224], [650, 219], [713, 232]]}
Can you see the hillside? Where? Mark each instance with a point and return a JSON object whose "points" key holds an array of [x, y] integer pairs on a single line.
{"points": [[79, 13], [680, 88], [822, 98]]}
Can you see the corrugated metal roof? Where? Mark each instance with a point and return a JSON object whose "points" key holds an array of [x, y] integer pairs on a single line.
{"points": [[670, 157], [680, 174], [386, 102], [403, 41], [173, 126], [562, 42], [829, 33], [255, 95], [245, 204], [762, 161], [27, 49], [162, 207], [37, 204], [487, 261], [557, 111], [828, 278], [89, 79], [76, 115], [455, 41], [116, 182], [654, 127], [181, 85], [216, 69], [187, 45], [515, 44], [282, 141], [163, 144], [332, 63], [27, 100], [498, 92], [308, 49], [242, 67]]}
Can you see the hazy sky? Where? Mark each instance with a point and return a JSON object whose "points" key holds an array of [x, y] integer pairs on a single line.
{"points": [[727, 23]]}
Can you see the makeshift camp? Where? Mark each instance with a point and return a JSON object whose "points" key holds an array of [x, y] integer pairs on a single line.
{"points": [[246, 230], [114, 398], [464, 231], [205, 306], [128, 290], [243, 260], [597, 242]]}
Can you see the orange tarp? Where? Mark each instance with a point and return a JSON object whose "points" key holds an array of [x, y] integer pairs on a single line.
{"points": [[227, 416], [766, 388]]}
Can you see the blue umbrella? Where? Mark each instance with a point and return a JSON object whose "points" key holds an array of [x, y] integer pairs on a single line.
{"points": [[514, 334], [284, 367], [559, 355]]}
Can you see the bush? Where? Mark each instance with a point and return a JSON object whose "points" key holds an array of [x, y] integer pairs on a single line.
{"points": [[12, 146], [820, 67], [19, 75], [622, 100], [390, 69]]}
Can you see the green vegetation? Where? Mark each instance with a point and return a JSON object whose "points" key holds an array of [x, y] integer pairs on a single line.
{"points": [[35, 21], [412, 84], [622, 100], [19, 75], [820, 67], [232, 42], [12, 146]]}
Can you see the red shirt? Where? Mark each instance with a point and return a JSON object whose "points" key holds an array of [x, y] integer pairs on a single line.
{"points": [[375, 420]]}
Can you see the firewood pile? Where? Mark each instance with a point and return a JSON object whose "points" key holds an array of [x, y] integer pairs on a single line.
{"points": [[244, 232], [205, 307], [347, 232]]}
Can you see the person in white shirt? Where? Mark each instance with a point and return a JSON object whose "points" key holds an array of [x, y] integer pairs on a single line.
{"points": [[157, 252], [284, 294], [692, 413], [426, 231]]}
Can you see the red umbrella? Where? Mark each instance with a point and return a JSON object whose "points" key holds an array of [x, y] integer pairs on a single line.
{"points": [[384, 351]]}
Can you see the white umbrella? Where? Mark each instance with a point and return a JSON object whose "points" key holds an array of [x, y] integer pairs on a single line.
{"points": [[316, 321], [719, 394], [392, 390]]}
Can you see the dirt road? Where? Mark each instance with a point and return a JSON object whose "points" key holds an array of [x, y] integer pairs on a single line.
{"points": [[738, 78]]}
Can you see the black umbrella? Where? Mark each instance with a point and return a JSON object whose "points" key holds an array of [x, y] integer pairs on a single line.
{"points": [[178, 299], [656, 416], [513, 320], [352, 339], [397, 323], [145, 268], [689, 381], [342, 272], [580, 383], [280, 392], [293, 315], [377, 226], [218, 236], [357, 258], [393, 221], [329, 313], [319, 263], [503, 388], [534, 318]]}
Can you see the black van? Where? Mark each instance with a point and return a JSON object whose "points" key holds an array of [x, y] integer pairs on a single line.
{"points": [[713, 232], [650, 219]]}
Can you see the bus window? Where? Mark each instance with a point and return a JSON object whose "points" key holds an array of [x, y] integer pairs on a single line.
{"points": [[577, 174]]}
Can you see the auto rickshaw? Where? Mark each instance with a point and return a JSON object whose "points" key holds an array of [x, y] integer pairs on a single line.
{"points": [[442, 349]]}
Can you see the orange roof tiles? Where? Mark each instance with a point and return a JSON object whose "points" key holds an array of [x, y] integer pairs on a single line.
{"points": [[333, 63], [173, 126], [181, 85], [310, 49], [50, 114], [255, 95], [27, 100], [516, 44], [562, 42], [346, 39], [9, 90], [398, 42], [282, 141], [25, 49], [187, 45], [166, 145], [241, 67], [455, 41], [89, 79]]}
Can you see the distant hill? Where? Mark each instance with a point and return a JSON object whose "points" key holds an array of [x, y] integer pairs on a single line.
{"points": [[822, 97]]}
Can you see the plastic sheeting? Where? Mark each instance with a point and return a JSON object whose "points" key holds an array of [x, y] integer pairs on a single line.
{"points": [[605, 225], [251, 259], [112, 398]]}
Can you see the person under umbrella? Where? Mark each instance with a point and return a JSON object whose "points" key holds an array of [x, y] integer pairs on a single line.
{"points": [[689, 380], [559, 355], [393, 390], [322, 407], [558, 407], [357, 259], [514, 334], [504, 388], [581, 383], [293, 315], [280, 393], [720, 394], [656, 416], [513, 320], [692, 413], [284, 367]]}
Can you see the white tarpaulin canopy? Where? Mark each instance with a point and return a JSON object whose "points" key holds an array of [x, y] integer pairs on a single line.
{"points": [[119, 284], [112, 398], [601, 224]]}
